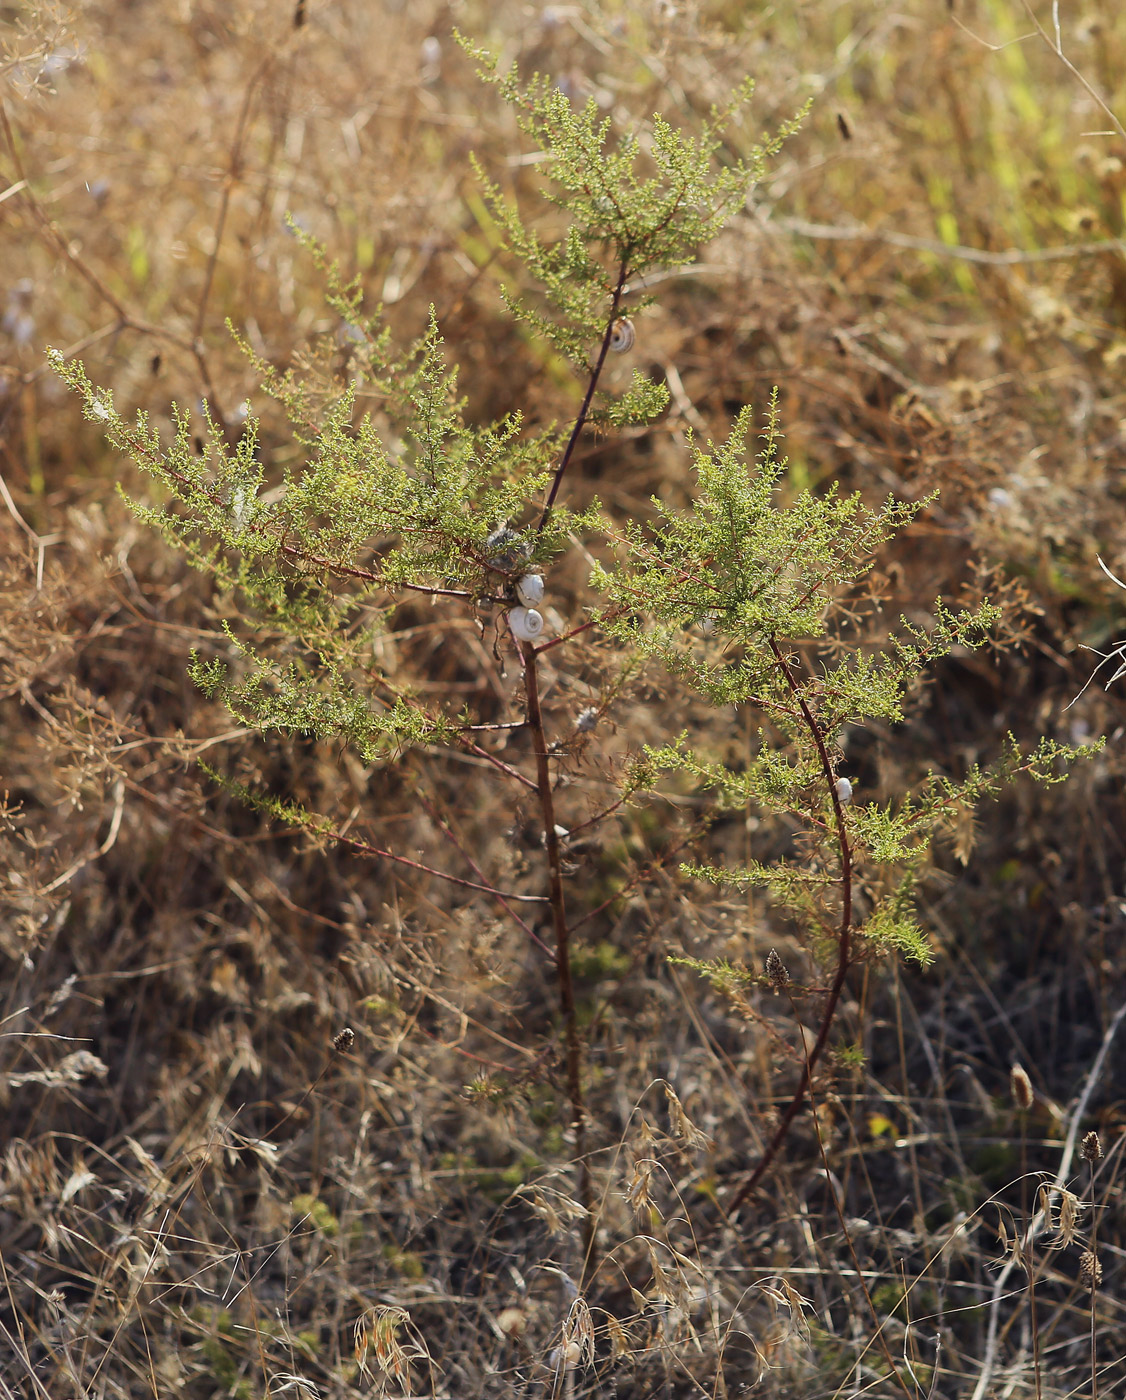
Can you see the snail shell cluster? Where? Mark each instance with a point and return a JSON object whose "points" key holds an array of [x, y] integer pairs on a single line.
{"points": [[526, 621]]}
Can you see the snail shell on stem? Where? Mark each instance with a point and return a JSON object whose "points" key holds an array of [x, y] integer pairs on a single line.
{"points": [[526, 624], [622, 336], [529, 589]]}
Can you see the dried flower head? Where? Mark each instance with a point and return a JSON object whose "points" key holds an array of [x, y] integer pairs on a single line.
{"points": [[1020, 1086], [776, 972], [1090, 1269], [343, 1040], [1092, 1149]]}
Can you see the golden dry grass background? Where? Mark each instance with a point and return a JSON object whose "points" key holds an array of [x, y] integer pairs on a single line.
{"points": [[198, 1196]]}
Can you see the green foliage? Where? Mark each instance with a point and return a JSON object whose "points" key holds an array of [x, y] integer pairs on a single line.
{"points": [[752, 595], [311, 1210], [634, 204]]}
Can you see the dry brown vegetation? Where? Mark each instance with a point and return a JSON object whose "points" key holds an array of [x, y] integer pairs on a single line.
{"points": [[202, 1192]]}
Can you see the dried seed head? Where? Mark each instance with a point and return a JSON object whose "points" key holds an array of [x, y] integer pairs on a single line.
{"points": [[1092, 1148], [682, 1125], [1020, 1086], [343, 1040], [586, 719], [1069, 1217], [639, 1188], [619, 1338], [578, 1335], [1090, 1270], [776, 972]]}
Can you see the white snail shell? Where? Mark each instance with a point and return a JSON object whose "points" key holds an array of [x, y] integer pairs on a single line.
{"points": [[526, 623], [843, 790], [622, 336], [529, 589]]}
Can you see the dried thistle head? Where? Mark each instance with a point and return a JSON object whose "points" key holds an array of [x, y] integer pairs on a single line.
{"points": [[1092, 1149], [776, 972], [343, 1040], [1090, 1269], [1020, 1087]]}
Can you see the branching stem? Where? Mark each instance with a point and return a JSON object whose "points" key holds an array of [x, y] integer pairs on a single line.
{"points": [[592, 384]]}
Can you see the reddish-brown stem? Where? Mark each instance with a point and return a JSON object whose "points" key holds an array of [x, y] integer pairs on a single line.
{"points": [[378, 852], [838, 1205], [598, 817], [499, 897], [367, 575], [573, 1048], [566, 636], [499, 764], [844, 939], [592, 384]]}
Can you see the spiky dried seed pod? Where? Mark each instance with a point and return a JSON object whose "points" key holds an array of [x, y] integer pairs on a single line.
{"points": [[343, 1040], [1020, 1086], [507, 550], [1090, 1269], [776, 972], [622, 336], [1092, 1148]]}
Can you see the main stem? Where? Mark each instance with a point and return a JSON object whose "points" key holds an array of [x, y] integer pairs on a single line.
{"points": [[592, 384], [573, 1047], [844, 938]]}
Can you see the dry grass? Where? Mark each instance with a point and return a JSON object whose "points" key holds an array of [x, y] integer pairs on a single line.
{"points": [[200, 1194]]}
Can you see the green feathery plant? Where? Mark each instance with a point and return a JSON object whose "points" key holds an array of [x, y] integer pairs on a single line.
{"points": [[747, 598]]}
